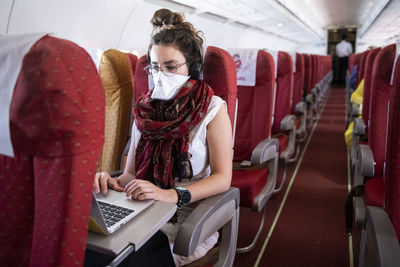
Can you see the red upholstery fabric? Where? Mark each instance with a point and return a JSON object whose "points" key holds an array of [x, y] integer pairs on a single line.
{"points": [[353, 60], [255, 105], [381, 72], [392, 170], [141, 82], [314, 64], [132, 61], [57, 128], [250, 182], [298, 123], [219, 71], [361, 67], [283, 142], [367, 83], [373, 194], [298, 82], [307, 73], [284, 88]]}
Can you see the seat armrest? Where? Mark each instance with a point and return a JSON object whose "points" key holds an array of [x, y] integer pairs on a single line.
{"points": [[379, 245], [359, 126], [355, 110], [310, 99], [208, 217], [288, 123], [301, 107], [314, 91], [365, 161], [266, 150]]}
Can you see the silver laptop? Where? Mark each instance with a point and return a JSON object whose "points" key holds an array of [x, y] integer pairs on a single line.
{"points": [[111, 211]]}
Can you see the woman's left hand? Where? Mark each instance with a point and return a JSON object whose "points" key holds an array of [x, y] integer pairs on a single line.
{"points": [[142, 189]]}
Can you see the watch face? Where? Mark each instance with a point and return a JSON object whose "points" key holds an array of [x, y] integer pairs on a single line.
{"points": [[186, 196]]}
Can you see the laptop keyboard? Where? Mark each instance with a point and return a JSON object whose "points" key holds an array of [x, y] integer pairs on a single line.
{"points": [[112, 213]]}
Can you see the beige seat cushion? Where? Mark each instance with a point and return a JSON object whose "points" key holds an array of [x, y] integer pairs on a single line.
{"points": [[116, 77]]}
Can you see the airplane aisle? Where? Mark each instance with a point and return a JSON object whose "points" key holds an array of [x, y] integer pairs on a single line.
{"points": [[310, 230]]}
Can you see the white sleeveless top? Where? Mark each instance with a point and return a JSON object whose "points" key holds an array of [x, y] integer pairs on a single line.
{"points": [[198, 145], [201, 168]]}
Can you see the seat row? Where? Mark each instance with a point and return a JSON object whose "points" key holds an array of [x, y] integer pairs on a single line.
{"points": [[63, 109], [375, 196]]}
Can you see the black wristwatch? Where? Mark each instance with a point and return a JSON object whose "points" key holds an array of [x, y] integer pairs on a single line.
{"points": [[184, 196]]}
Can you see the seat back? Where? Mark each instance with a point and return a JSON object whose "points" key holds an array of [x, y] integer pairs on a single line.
{"points": [[133, 59], [57, 128], [255, 107], [392, 160], [380, 244], [361, 67], [141, 83], [298, 82], [380, 88], [353, 60], [219, 71], [284, 81], [367, 83], [116, 76], [307, 73], [314, 77]]}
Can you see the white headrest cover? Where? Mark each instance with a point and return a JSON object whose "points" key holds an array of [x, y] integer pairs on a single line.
{"points": [[95, 54], [395, 59], [293, 55], [246, 62], [12, 52]]}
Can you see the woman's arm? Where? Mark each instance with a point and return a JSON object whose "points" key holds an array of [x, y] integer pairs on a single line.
{"points": [[219, 141]]}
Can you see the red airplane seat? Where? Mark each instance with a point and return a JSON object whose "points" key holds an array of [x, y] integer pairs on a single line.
{"points": [[141, 82], [255, 153], [370, 158], [57, 131], [299, 107], [381, 233], [133, 59], [307, 74], [360, 133], [361, 67], [367, 83], [219, 71], [298, 82], [284, 125]]}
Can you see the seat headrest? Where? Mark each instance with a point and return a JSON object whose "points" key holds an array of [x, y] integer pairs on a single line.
{"points": [[58, 104], [114, 69], [132, 61], [13, 50], [246, 62], [142, 80], [220, 73]]}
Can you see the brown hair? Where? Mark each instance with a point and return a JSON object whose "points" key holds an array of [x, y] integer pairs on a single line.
{"points": [[169, 28]]}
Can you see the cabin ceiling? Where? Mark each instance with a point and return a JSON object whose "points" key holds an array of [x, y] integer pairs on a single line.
{"points": [[301, 21]]}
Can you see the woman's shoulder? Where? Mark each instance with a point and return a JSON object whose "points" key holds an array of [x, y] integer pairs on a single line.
{"points": [[215, 104]]}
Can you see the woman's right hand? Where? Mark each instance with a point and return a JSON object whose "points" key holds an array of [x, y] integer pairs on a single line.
{"points": [[103, 180]]}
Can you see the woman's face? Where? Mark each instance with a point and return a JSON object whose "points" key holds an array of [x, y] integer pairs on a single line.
{"points": [[169, 59]]}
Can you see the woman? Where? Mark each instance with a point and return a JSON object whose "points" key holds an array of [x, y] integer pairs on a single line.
{"points": [[181, 149]]}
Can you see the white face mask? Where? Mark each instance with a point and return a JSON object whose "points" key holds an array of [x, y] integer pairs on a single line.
{"points": [[167, 87]]}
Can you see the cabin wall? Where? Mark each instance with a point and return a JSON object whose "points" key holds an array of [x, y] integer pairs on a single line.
{"points": [[98, 25]]}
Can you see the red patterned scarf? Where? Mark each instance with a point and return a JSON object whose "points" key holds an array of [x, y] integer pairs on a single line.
{"points": [[165, 127]]}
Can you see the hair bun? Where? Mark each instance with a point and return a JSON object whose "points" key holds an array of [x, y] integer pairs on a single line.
{"points": [[166, 17]]}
